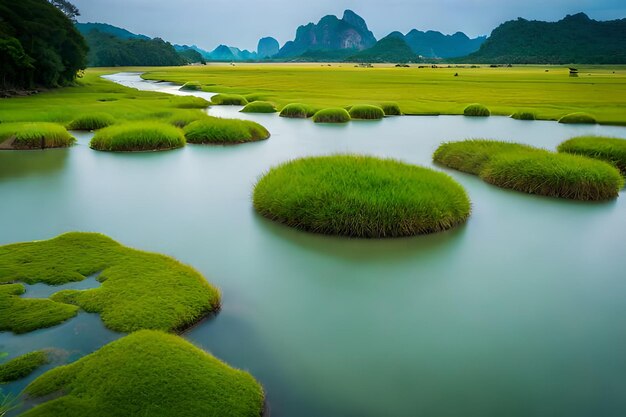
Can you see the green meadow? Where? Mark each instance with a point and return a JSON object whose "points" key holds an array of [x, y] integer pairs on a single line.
{"points": [[546, 91]]}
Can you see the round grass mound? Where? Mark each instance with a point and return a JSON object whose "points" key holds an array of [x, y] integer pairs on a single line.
{"points": [[360, 196], [259, 107], [229, 100], [91, 121], [391, 109], [224, 131], [332, 115], [297, 111], [22, 366], [147, 373], [191, 86], [612, 150], [26, 136], [476, 110], [366, 112], [524, 115], [137, 137], [578, 118], [532, 170]]}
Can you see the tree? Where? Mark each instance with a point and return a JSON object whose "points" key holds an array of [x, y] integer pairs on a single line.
{"points": [[67, 8]]}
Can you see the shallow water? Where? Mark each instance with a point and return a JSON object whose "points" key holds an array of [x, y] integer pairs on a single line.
{"points": [[520, 312]]}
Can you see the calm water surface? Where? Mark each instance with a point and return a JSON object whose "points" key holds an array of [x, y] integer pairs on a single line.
{"points": [[520, 312]]}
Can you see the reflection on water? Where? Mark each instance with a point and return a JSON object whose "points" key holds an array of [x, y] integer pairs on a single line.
{"points": [[519, 312], [37, 163]]}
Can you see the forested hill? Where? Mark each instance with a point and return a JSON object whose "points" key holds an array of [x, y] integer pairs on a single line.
{"points": [[575, 39]]}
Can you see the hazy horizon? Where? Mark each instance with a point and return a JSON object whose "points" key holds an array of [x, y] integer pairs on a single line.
{"points": [[240, 23]]}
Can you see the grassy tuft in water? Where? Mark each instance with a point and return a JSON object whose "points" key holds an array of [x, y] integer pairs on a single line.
{"points": [[191, 86], [391, 109], [524, 115], [578, 118], [229, 100], [332, 115], [140, 290], [22, 315], [476, 110], [297, 111], [138, 136], [147, 373], [366, 112], [22, 366], [532, 170], [24, 136], [612, 150], [91, 121], [259, 107], [224, 131], [360, 196], [182, 119]]}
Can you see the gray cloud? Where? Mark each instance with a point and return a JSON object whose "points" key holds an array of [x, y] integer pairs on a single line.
{"points": [[241, 23]]}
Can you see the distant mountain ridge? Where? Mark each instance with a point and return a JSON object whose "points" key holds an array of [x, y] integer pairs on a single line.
{"points": [[85, 28], [574, 39], [432, 44], [388, 49]]}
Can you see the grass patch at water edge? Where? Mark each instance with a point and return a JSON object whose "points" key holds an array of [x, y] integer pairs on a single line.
{"points": [[612, 150], [138, 136], [27, 136], [578, 118], [360, 196], [229, 100], [22, 366], [391, 109], [332, 115], [191, 86], [139, 290], [476, 110], [147, 373], [259, 107], [532, 170], [224, 131], [91, 121], [524, 115], [297, 111], [366, 112]]}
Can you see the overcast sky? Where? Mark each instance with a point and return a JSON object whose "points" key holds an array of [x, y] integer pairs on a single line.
{"points": [[241, 23]]}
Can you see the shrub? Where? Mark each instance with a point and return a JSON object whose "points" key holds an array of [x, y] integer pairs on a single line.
{"points": [[259, 107], [138, 136], [191, 86], [229, 100], [578, 118], [22, 366], [92, 121], [391, 109], [34, 136], [360, 196], [476, 110], [147, 373], [524, 115], [224, 131], [366, 112], [532, 170], [332, 115], [612, 150], [297, 111]]}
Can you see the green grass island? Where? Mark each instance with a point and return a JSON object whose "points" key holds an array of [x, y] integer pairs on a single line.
{"points": [[31, 136], [533, 170], [360, 196], [214, 130], [138, 137], [611, 150], [22, 366]]}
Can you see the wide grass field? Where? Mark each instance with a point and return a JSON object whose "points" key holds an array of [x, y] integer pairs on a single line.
{"points": [[548, 91]]}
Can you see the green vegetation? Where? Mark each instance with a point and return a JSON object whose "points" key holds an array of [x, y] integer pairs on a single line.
{"points": [[360, 196], [578, 118], [92, 121], [332, 115], [532, 170], [229, 100], [389, 49], [22, 315], [34, 136], [612, 150], [550, 95], [297, 111], [391, 109], [139, 290], [524, 115], [38, 46], [181, 120], [259, 107], [147, 373], [224, 131], [191, 86], [138, 136], [367, 112], [22, 366], [476, 110]]}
